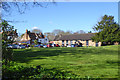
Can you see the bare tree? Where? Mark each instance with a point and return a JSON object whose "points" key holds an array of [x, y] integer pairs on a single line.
{"points": [[50, 36], [8, 7], [22, 6], [79, 32], [36, 31], [68, 32], [57, 32]]}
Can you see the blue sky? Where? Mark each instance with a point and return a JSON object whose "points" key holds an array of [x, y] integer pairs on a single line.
{"points": [[66, 16]]}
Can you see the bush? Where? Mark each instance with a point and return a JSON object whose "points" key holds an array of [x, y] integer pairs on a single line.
{"points": [[32, 45], [14, 71]]}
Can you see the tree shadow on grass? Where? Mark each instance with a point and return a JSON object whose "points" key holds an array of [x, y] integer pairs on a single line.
{"points": [[94, 51], [27, 55]]}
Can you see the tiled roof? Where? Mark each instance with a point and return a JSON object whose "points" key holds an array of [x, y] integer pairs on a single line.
{"points": [[75, 37], [34, 35], [11, 33]]}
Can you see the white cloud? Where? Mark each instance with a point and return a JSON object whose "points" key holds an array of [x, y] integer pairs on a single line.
{"points": [[35, 27]]}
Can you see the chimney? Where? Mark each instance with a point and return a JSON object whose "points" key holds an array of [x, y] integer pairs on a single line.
{"points": [[26, 30], [15, 30], [26, 35], [40, 33], [44, 36]]}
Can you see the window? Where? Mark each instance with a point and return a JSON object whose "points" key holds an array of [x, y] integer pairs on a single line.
{"points": [[62, 41], [66, 42], [96, 44], [71, 42], [87, 44]]}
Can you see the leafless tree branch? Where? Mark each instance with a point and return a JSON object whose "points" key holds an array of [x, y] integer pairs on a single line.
{"points": [[8, 7]]}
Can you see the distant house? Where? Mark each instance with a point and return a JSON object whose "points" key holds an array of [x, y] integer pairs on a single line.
{"points": [[29, 38], [85, 39], [11, 35]]}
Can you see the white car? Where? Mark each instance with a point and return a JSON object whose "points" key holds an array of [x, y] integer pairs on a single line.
{"points": [[68, 46], [20, 46], [44, 46], [12, 46]]}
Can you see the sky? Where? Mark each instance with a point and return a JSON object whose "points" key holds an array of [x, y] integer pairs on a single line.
{"points": [[72, 16]]}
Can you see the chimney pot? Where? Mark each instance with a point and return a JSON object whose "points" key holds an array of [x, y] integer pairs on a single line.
{"points": [[26, 30]]}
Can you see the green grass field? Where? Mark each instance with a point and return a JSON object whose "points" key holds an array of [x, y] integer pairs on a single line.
{"points": [[96, 62]]}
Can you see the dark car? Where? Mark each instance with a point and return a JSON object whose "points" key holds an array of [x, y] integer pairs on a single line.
{"points": [[57, 45], [49, 45], [12, 46], [80, 45], [41, 45], [36, 46], [44, 46]]}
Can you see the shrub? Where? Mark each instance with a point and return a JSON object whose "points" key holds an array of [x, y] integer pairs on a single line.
{"points": [[14, 71]]}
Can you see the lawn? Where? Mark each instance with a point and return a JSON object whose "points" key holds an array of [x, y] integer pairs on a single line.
{"points": [[96, 62]]}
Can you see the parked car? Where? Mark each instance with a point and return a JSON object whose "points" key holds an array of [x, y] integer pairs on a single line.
{"points": [[80, 45], [68, 46], [44, 46], [49, 45], [12, 46], [36, 46], [57, 45], [9, 46], [24, 45], [41, 45], [53, 45], [20, 46], [72, 45]]}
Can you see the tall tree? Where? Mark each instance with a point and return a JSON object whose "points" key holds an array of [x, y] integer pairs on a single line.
{"points": [[8, 36], [107, 30], [89, 31]]}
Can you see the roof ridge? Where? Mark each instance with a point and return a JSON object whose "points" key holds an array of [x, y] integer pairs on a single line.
{"points": [[78, 34]]}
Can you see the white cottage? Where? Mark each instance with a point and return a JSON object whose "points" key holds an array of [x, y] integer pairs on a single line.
{"points": [[29, 38]]}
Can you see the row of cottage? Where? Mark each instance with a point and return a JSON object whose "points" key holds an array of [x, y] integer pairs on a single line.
{"points": [[85, 39], [62, 40]]}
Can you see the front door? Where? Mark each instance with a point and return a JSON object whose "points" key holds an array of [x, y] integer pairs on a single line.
{"points": [[96, 44], [87, 43]]}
